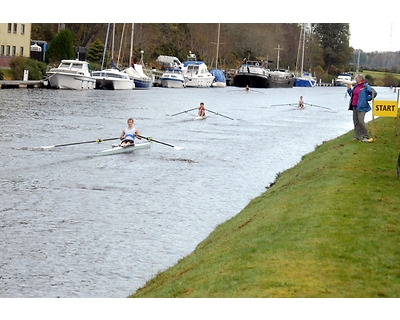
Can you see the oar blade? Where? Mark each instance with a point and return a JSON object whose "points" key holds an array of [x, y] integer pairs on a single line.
{"points": [[178, 148]]}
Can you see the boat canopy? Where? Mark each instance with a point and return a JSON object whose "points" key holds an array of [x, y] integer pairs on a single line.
{"points": [[218, 75], [197, 63]]}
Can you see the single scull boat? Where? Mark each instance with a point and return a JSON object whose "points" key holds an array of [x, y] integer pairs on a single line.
{"points": [[200, 118], [127, 149]]}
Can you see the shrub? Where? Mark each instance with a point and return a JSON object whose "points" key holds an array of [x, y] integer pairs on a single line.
{"points": [[370, 79], [390, 80], [1, 75], [36, 68]]}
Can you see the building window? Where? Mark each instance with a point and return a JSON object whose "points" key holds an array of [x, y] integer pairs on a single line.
{"points": [[15, 28], [2, 49], [8, 50], [22, 29], [14, 51], [9, 28], [21, 51]]}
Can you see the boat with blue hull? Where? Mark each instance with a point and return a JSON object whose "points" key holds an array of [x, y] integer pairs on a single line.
{"points": [[140, 79], [306, 80]]}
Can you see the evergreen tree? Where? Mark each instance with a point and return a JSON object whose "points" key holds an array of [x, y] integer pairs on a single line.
{"points": [[95, 52], [61, 47], [334, 41]]}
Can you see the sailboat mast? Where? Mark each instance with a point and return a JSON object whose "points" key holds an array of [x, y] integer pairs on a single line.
{"points": [[105, 47], [120, 45], [130, 53], [112, 46], [302, 56], [216, 60]]}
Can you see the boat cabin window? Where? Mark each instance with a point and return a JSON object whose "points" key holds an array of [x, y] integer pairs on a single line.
{"points": [[193, 68], [77, 66]]}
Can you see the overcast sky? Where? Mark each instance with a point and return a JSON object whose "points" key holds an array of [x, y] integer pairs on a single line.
{"points": [[384, 36]]}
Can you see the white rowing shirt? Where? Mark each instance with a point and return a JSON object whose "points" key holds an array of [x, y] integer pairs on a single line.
{"points": [[129, 134]]}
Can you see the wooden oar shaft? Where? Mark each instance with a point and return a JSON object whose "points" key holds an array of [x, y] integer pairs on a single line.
{"points": [[219, 114]]}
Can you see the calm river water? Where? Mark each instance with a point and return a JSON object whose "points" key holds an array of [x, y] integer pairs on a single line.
{"points": [[76, 225]]}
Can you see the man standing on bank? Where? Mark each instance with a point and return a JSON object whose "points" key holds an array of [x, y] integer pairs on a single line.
{"points": [[360, 95]]}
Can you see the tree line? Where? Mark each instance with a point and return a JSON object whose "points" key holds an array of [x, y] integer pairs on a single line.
{"points": [[326, 45]]}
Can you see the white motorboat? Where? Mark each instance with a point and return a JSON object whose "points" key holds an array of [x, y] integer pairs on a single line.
{"points": [[118, 149], [343, 79], [71, 74], [113, 79], [196, 73], [173, 78]]}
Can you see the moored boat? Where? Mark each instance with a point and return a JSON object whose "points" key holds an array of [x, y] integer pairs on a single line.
{"points": [[71, 74], [113, 79], [219, 78], [173, 78], [343, 79], [305, 80], [281, 79], [141, 80], [253, 74], [118, 149], [196, 73]]}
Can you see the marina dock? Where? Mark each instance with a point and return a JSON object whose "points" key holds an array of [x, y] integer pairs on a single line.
{"points": [[16, 84]]}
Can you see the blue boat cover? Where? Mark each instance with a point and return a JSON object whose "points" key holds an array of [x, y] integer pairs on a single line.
{"points": [[197, 63], [219, 75]]}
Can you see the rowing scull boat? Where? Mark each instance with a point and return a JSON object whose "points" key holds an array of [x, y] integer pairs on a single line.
{"points": [[201, 117], [127, 149]]}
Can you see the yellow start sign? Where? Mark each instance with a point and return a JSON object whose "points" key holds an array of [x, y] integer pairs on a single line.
{"points": [[383, 108]]}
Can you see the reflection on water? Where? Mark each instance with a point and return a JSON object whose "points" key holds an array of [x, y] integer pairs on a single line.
{"points": [[76, 225]]}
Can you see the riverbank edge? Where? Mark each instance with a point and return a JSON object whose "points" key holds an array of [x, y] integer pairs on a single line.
{"points": [[327, 227]]}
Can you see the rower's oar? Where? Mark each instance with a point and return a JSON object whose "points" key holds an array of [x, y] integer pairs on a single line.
{"points": [[219, 114], [284, 104], [314, 105], [167, 144], [181, 112], [75, 143]]}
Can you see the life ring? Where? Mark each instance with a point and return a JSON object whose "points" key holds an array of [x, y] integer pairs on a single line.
{"points": [[257, 64]]}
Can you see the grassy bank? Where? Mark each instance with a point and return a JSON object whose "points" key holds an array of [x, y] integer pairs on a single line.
{"points": [[328, 227]]}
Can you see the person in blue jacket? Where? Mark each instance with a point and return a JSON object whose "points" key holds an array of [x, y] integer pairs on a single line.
{"points": [[360, 95]]}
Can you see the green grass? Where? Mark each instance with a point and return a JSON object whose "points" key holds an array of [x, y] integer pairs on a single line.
{"points": [[377, 74], [328, 227]]}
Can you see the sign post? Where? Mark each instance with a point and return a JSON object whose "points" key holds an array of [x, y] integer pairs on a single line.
{"points": [[384, 108]]}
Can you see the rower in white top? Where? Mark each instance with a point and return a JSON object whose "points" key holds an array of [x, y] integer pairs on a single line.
{"points": [[128, 134]]}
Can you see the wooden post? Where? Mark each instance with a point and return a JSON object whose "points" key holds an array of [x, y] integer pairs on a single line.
{"points": [[397, 117], [373, 119]]}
